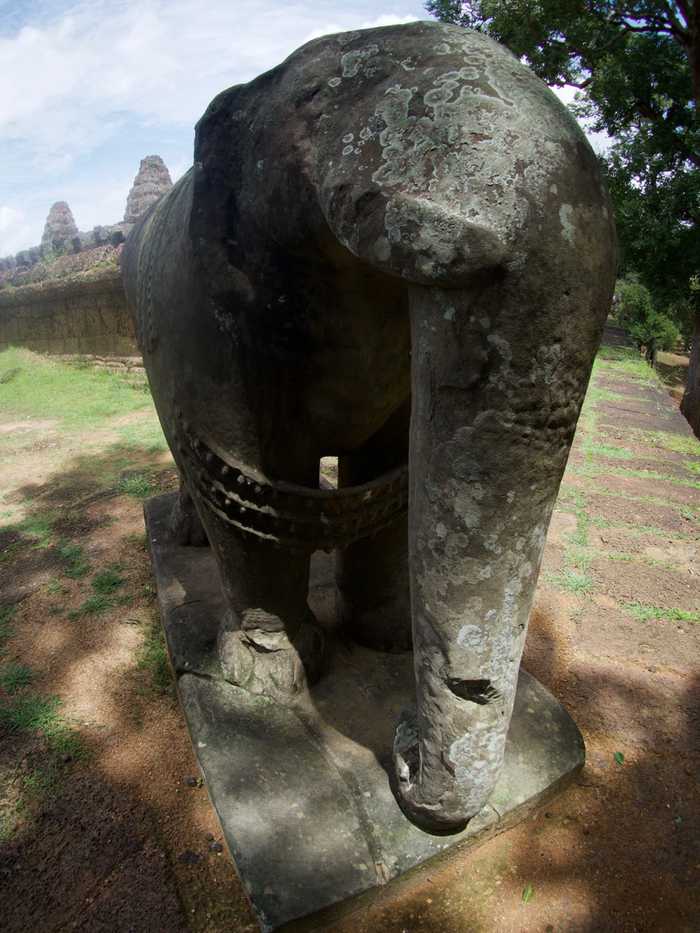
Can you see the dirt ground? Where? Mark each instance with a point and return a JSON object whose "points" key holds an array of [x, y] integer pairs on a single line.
{"points": [[110, 828]]}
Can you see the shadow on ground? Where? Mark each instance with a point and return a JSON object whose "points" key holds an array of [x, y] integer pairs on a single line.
{"points": [[117, 835]]}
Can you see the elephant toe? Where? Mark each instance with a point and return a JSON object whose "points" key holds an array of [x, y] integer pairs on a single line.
{"points": [[269, 662]]}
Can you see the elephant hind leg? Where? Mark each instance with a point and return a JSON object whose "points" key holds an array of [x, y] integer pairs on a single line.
{"points": [[374, 604]]}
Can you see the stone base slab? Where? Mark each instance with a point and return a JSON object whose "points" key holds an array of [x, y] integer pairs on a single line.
{"points": [[303, 793]]}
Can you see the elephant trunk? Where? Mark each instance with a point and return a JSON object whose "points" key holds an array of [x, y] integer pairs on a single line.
{"points": [[488, 445]]}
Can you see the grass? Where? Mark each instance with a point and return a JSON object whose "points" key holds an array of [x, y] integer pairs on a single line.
{"points": [[606, 450], [76, 564], [14, 676], [105, 585], [137, 485], [645, 613], [625, 361], [107, 581], [153, 659], [79, 399], [676, 443], [572, 581], [29, 713], [6, 628], [56, 588], [591, 470], [145, 435], [36, 715], [92, 606]]}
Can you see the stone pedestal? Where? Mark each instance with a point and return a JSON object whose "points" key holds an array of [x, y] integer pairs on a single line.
{"points": [[303, 793]]}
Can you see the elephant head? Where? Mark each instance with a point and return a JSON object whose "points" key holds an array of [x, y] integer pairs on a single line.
{"points": [[426, 161]]}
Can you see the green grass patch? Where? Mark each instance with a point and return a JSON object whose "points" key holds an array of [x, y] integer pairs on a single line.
{"points": [[56, 588], [14, 677], [624, 361], [645, 613], [676, 443], [105, 584], [78, 398], [107, 581], [137, 485], [595, 395], [6, 628], [592, 470], [605, 450], [39, 528], [30, 713], [92, 606], [146, 434], [573, 581], [75, 561], [153, 659]]}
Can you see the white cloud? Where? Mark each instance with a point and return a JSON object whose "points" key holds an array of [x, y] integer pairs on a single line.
{"points": [[67, 86], [384, 20], [106, 71], [16, 230]]}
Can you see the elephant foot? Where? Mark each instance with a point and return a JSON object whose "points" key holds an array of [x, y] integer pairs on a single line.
{"points": [[269, 662], [438, 816]]}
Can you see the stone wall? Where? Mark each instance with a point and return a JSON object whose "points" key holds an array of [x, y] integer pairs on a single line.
{"points": [[86, 317]]}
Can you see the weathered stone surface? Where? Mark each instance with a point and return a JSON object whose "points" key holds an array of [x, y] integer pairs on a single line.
{"points": [[304, 793], [151, 182], [392, 219], [60, 229], [66, 317]]}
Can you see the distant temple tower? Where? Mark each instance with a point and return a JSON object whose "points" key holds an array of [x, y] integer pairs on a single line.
{"points": [[152, 180], [60, 228]]}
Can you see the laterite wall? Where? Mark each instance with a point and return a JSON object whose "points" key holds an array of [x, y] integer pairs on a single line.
{"points": [[83, 317]]}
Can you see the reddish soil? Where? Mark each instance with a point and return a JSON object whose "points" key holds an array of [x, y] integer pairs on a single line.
{"points": [[124, 842]]}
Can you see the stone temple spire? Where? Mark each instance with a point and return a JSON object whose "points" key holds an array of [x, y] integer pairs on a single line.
{"points": [[152, 180], [60, 228]]}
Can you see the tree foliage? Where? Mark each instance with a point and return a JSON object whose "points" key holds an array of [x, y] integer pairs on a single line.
{"points": [[636, 64], [648, 327]]}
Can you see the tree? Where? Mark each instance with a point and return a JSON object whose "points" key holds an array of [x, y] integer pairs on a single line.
{"points": [[637, 65], [649, 328]]}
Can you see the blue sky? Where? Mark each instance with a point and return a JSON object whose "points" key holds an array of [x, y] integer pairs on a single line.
{"points": [[89, 88]]}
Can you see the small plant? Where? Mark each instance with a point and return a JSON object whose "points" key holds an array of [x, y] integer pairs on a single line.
{"points": [[605, 450], [645, 613], [14, 676], [107, 581], [56, 588], [76, 564], [6, 628], [571, 580], [29, 713], [153, 657], [137, 485], [92, 606]]}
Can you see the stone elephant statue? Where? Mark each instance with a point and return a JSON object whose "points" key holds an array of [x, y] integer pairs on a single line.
{"points": [[394, 248]]}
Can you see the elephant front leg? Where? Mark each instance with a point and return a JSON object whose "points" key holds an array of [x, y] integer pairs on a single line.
{"points": [[487, 450], [269, 642]]}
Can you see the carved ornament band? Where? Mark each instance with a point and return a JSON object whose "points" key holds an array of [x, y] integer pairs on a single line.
{"points": [[291, 515]]}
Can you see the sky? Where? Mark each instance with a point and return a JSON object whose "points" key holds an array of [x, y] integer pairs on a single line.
{"points": [[88, 89]]}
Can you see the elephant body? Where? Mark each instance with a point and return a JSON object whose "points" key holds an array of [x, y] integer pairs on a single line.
{"points": [[394, 248]]}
